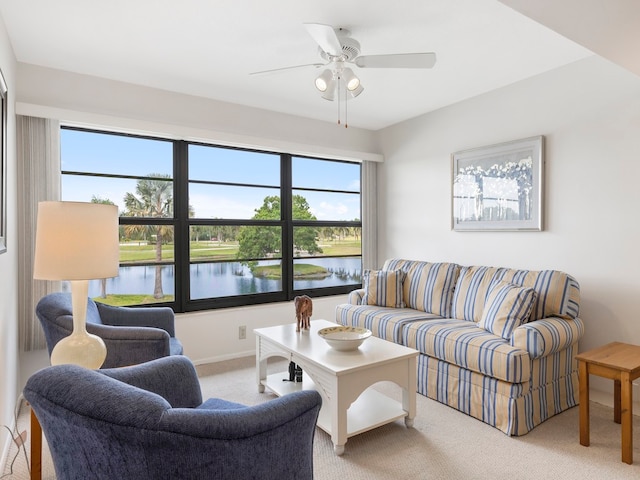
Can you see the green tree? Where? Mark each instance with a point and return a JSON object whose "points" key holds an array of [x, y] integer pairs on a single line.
{"points": [[264, 241], [355, 231], [153, 198], [103, 281], [305, 239], [223, 233], [103, 201]]}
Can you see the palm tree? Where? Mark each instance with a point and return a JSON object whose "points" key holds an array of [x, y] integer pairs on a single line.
{"points": [[103, 281], [154, 198]]}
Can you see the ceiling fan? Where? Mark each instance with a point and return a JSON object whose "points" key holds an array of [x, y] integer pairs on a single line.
{"points": [[339, 50]]}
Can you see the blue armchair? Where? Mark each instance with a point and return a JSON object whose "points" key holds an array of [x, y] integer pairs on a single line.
{"points": [[148, 422], [132, 335]]}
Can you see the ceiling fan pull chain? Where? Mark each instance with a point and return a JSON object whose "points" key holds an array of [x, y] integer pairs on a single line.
{"points": [[338, 89], [346, 103]]}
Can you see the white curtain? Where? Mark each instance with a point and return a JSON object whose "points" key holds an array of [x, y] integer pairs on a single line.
{"points": [[38, 151], [369, 215]]}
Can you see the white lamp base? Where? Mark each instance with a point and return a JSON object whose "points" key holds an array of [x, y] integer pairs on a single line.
{"points": [[81, 347], [84, 349]]}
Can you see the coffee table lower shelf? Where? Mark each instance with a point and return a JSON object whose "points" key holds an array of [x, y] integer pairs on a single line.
{"points": [[371, 409]]}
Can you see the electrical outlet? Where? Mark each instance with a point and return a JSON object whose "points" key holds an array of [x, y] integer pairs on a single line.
{"points": [[242, 332]]}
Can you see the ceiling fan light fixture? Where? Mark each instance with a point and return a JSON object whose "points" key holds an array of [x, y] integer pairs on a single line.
{"points": [[355, 92], [330, 94], [337, 49], [350, 80], [324, 81]]}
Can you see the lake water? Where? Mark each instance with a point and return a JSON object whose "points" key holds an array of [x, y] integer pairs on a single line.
{"points": [[210, 280]]}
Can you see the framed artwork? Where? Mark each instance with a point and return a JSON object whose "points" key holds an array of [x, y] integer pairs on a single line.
{"points": [[499, 187], [3, 164]]}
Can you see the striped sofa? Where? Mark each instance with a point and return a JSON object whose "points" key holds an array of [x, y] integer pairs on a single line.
{"points": [[498, 344]]}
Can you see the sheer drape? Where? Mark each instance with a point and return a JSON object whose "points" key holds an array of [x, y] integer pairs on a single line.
{"points": [[38, 150], [369, 215]]}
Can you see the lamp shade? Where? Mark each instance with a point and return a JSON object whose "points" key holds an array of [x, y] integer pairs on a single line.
{"points": [[76, 241]]}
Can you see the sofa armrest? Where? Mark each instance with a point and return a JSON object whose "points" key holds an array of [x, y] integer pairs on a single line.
{"points": [[356, 296], [548, 335]]}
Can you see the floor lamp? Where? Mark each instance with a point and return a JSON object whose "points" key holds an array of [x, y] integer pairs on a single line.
{"points": [[77, 242]]}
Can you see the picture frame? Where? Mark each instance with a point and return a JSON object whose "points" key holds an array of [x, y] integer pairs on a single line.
{"points": [[499, 187], [3, 163]]}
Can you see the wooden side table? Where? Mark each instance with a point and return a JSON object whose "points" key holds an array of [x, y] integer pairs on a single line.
{"points": [[621, 363]]}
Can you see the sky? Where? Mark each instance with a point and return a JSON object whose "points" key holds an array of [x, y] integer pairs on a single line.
{"points": [[90, 152]]}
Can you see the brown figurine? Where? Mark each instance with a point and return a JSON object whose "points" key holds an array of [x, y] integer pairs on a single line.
{"points": [[304, 310]]}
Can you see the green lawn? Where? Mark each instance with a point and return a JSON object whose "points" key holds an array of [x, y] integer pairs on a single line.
{"points": [[344, 247], [134, 252], [118, 300], [300, 270]]}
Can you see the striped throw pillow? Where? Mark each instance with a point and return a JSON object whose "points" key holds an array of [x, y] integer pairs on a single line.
{"points": [[383, 287], [507, 307]]}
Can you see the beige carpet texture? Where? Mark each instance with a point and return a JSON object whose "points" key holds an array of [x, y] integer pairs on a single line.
{"points": [[444, 444]]}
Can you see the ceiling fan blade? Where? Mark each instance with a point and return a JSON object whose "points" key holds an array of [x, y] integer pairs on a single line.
{"points": [[326, 37], [397, 60], [282, 69]]}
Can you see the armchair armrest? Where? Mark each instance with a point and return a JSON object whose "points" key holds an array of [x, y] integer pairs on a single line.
{"points": [[158, 317], [242, 423], [173, 378], [356, 296], [131, 345], [548, 335]]}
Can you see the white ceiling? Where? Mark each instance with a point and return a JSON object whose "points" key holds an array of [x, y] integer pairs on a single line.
{"points": [[208, 48], [609, 28]]}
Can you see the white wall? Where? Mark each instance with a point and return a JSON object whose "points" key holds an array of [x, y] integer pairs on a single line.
{"points": [[8, 261], [589, 113], [212, 335], [90, 101]]}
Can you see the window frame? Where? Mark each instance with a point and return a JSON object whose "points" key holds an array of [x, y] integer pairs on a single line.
{"points": [[182, 223]]}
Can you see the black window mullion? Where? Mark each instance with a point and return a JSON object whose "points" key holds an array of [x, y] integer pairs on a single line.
{"points": [[181, 218], [286, 214]]}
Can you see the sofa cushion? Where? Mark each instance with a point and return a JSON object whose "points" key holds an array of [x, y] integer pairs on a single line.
{"points": [[558, 294], [462, 343], [507, 306], [385, 322], [383, 287], [428, 286], [471, 291]]}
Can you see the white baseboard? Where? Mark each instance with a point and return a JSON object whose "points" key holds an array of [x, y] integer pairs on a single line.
{"points": [[8, 439], [5, 450], [606, 398], [221, 358]]}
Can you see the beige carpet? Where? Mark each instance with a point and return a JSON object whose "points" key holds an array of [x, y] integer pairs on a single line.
{"points": [[443, 445]]}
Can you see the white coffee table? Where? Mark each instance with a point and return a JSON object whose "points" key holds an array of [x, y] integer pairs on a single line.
{"points": [[343, 379]]}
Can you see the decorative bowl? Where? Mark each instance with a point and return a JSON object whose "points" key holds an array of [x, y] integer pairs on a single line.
{"points": [[344, 338]]}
